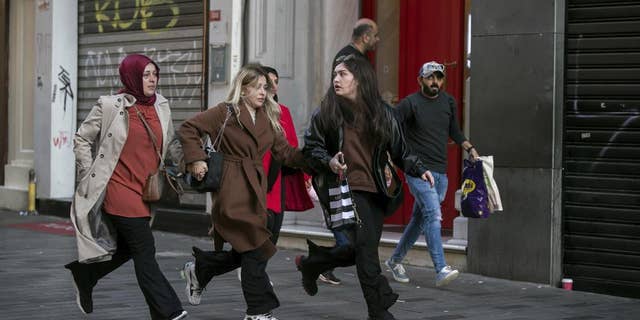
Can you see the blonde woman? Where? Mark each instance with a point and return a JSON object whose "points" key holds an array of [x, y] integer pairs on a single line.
{"points": [[239, 209]]}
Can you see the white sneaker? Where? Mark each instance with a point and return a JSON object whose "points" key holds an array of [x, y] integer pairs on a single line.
{"points": [[193, 290], [264, 316], [446, 275]]}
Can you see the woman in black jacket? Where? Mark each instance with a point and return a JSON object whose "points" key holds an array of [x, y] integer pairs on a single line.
{"points": [[353, 133]]}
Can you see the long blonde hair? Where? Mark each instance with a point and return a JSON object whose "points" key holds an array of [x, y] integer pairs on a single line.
{"points": [[248, 76]]}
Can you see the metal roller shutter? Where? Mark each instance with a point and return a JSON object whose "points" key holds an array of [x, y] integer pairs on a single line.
{"points": [[168, 31], [601, 181]]}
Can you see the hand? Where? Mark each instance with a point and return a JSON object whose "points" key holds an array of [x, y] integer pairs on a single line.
{"points": [[336, 164], [473, 155], [198, 169], [427, 176]]}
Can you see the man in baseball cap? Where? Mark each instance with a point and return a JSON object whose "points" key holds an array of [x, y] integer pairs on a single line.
{"points": [[429, 68], [431, 78], [429, 120]]}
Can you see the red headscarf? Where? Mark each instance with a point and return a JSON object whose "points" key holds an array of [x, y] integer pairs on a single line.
{"points": [[131, 70]]}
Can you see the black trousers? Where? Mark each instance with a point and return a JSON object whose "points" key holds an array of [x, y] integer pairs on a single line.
{"points": [[361, 251], [274, 224], [256, 287], [135, 241]]}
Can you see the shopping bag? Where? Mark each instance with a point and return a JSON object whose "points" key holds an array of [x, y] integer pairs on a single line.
{"points": [[342, 210], [494, 203], [474, 191], [297, 198]]}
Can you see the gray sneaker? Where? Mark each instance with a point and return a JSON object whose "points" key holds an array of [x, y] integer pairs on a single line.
{"points": [[193, 290], [397, 270], [446, 275]]}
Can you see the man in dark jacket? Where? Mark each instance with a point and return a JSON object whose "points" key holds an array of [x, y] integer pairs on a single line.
{"points": [[363, 39], [429, 119]]}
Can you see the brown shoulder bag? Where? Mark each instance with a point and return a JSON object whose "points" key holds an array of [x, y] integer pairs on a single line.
{"points": [[159, 185]]}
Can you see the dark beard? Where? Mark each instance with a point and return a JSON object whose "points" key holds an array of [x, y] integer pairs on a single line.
{"points": [[432, 91]]}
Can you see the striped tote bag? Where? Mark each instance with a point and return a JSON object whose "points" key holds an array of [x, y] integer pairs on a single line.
{"points": [[342, 210]]}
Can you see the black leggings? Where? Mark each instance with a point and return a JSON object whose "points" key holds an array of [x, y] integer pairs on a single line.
{"points": [[274, 224]]}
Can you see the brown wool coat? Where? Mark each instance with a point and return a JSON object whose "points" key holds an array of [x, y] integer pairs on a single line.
{"points": [[239, 207]]}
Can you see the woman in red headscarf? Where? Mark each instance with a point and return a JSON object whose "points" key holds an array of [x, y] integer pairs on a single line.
{"points": [[117, 147]]}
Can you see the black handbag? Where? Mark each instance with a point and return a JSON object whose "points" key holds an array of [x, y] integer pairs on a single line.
{"points": [[393, 193], [215, 159], [395, 197]]}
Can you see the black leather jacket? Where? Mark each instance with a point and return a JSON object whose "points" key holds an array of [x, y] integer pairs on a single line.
{"points": [[321, 144]]}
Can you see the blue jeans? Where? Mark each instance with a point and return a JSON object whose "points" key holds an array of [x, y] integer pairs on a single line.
{"points": [[427, 217], [341, 238]]}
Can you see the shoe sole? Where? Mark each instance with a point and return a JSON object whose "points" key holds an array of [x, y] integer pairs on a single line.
{"points": [[452, 276], [401, 280], [188, 277], [327, 280], [183, 315]]}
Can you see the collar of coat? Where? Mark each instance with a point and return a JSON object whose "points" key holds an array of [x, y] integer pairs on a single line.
{"points": [[130, 100]]}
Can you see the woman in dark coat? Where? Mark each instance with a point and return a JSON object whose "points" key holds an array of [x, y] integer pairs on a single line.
{"points": [[239, 207], [352, 133]]}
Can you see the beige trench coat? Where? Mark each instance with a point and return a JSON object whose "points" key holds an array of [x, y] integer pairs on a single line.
{"points": [[105, 130]]}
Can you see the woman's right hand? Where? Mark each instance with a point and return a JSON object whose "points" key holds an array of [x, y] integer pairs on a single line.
{"points": [[336, 164], [198, 169]]}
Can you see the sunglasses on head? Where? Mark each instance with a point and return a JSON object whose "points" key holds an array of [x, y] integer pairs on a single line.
{"points": [[345, 58]]}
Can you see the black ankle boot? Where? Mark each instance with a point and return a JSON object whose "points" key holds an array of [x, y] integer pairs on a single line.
{"points": [[83, 286], [309, 279]]}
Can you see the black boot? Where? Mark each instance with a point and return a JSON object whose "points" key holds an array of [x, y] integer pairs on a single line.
{"points": [[213, 263], [385, 315], [83, 285], [321, 259], [308, 279]]}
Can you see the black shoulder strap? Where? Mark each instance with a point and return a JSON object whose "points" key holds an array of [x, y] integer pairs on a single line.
{"points": [[274, 169], [218, 139]]}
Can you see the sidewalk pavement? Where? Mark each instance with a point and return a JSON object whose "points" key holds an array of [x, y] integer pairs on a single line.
{"points": [[33, 250]]}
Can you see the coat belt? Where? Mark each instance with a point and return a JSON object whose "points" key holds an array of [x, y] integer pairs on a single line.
{"points": [[249, 166]]}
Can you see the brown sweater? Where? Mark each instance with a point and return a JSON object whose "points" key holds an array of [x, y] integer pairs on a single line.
{"points": [[358, 155]]}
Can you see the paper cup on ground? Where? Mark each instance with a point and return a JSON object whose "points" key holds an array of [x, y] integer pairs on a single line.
{"points": [[567, 284]]}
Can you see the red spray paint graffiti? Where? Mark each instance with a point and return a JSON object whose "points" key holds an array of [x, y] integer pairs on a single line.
{"points": [[62, 140]]}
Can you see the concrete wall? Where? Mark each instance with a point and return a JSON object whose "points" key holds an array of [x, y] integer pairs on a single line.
{"points": [[20, 89], [55, 98], [517, 50]]}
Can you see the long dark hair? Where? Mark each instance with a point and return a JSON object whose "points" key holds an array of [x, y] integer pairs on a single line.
{"points": [[369, 111]]}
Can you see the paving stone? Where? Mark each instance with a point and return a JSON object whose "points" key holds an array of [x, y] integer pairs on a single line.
{"points": [[36, 286]]}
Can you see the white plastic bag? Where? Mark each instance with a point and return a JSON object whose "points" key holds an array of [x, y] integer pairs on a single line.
{"points": [[494, 203]]}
